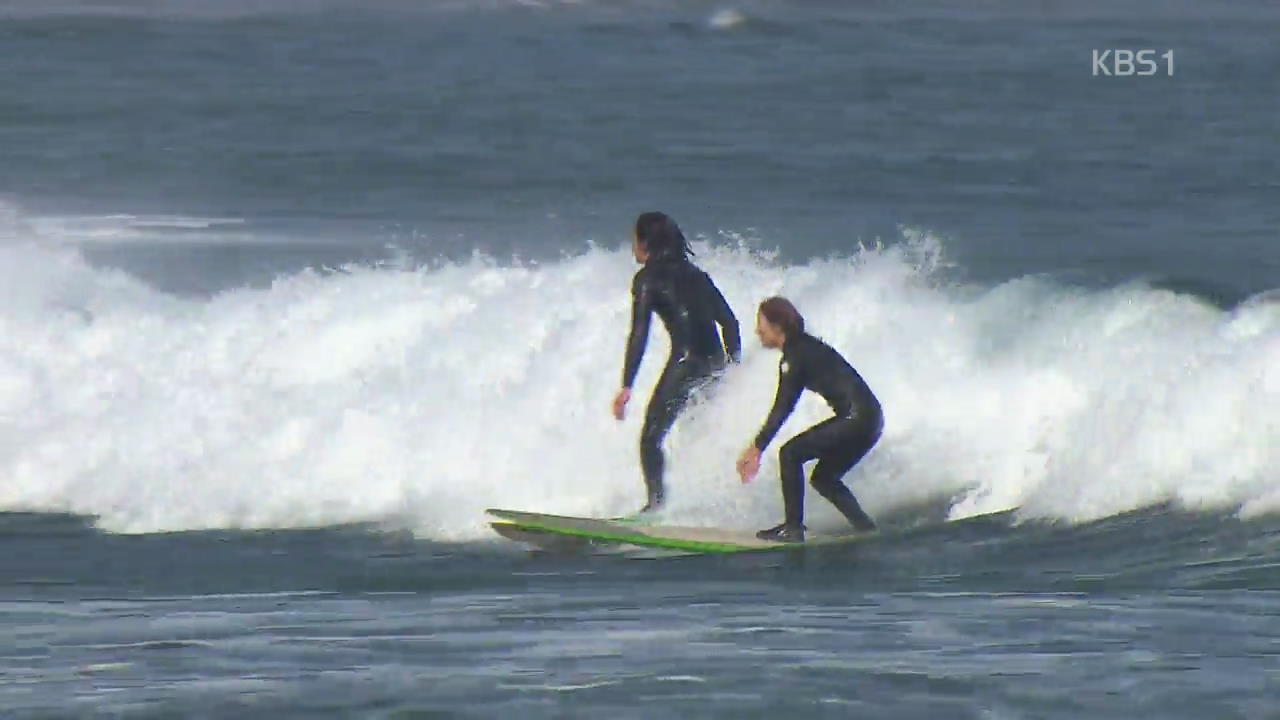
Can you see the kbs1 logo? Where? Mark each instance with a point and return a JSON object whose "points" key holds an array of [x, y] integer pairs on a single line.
{"points": [[1125, 63]]}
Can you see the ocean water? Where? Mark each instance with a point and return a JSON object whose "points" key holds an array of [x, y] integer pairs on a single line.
{"points": [[290, 291]]}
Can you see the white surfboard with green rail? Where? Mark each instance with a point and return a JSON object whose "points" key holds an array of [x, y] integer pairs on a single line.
{"points": [[528, 526]]}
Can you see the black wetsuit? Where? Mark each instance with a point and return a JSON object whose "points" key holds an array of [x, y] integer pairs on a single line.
{"points": [[837, 443], [691, 307]]}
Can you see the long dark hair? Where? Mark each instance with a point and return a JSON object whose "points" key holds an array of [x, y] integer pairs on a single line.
{"points": [[661, 236], [780, 312]]}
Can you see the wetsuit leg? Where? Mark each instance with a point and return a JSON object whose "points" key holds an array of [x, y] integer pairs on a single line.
{"points": [[838, 444], [860, 438], [670, 396]]}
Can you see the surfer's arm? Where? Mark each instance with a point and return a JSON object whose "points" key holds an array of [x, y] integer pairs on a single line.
{"points": [[641, 312], [789, 389], [728, 324]]}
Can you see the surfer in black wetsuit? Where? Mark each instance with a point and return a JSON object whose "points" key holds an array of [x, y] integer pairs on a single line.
{"points": [[691, 307], [837, 443]]}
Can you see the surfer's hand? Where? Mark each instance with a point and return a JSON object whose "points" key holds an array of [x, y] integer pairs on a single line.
{"points": [[620, 403], [748, 464]]}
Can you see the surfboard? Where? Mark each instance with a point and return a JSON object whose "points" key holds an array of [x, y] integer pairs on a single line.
{"points": [[529, 526]]}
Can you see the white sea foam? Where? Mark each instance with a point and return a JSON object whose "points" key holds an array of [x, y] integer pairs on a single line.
{"points": [[422, 397]]}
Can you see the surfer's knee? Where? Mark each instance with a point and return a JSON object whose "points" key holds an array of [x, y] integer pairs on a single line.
{"points": [[791, 452], [651, 434], [825, 482], [647, 441]]}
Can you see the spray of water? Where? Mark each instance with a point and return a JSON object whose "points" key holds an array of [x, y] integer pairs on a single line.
{"points": [[424, 396]]}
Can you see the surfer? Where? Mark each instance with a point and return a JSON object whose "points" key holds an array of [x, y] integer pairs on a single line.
{"points": [[691, 307], [837, 443]]}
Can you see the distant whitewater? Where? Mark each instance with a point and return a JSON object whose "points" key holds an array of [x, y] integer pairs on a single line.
{"points": [[420, 397]]}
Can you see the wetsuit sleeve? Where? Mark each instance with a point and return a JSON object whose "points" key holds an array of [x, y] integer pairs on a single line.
{"points": [[789, 389], [641, 312], [727, 322]]}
